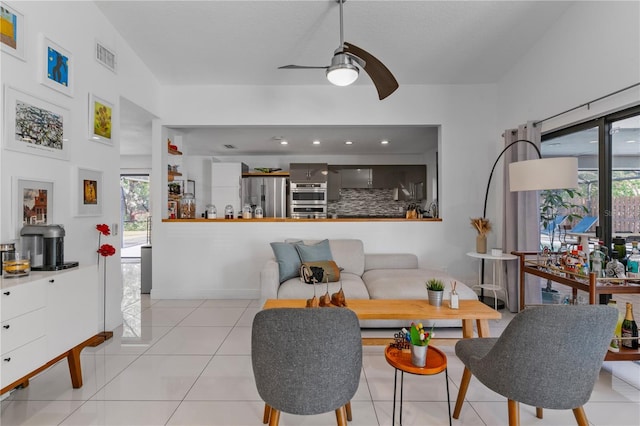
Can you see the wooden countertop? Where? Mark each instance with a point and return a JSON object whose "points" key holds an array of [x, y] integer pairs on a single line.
{"points": [[275, 219]]}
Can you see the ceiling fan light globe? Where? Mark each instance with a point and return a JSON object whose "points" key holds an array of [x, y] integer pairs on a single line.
{"points": [[342, 74]]}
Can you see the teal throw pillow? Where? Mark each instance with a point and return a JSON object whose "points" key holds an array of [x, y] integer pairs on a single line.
{"points": [[315, 252], [288, 260]]}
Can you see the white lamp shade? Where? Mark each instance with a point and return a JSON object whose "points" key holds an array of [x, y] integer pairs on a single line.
{"points": [[544, 173], [342, 75]]}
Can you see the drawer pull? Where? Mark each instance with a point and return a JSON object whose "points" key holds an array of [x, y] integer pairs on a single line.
{"points": [[6, 293], [52, 281], [8, 359], [6, 327]]}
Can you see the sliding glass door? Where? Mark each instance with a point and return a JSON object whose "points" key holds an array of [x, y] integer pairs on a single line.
{"points": [[625, 179], [607, 203]]}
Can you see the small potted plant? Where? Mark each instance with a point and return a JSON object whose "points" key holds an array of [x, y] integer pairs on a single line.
{"points": [[435, 289], [419, 343]]}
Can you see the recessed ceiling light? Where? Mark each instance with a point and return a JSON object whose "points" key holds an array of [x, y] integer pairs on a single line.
{"points": [[632, 141], [385, 142], [316, 142], [283, 142], [348, 143]]}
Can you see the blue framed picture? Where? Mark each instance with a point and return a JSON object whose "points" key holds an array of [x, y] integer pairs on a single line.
{"points": [[57, 67]]}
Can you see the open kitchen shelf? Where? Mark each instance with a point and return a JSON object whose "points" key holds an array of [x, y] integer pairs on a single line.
{"points": [[259, 174]]}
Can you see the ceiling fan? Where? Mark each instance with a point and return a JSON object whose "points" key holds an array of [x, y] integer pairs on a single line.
{"points": [[345, 62]]}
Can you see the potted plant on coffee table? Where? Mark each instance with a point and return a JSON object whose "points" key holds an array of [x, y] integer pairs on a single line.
{"points": [[435, 290]]}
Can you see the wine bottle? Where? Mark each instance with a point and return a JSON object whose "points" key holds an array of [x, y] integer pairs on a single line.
{"points": [[614, 346], [629, 329], [633, 262]]}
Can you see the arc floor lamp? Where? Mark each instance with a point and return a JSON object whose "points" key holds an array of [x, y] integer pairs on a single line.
{"points": [[534, 175]]}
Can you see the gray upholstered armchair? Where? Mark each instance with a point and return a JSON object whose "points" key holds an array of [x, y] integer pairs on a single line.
{"points": [[547, 357], [306, 361]]}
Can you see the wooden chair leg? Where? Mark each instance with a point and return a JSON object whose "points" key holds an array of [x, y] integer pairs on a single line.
{"points": [[514, 412], [341, 416], [581, 416], [274, 418], [464, 384], [267, 414], [348, 408], [539, 412]]}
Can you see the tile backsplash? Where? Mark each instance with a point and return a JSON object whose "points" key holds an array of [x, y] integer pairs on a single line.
{"points": [[365, 201]]}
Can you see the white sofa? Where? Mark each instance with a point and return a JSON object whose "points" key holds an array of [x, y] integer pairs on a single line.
{"points": [[366, 276]]}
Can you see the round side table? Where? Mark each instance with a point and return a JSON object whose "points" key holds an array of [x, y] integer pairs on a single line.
{"points": [[401, 360], [495, 285]]}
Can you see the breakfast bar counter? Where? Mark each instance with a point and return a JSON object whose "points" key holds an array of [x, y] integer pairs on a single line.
{"points": [[280, 219]]}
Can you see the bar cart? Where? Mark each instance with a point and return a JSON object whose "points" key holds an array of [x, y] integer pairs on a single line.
{"points": [[594, 286]]}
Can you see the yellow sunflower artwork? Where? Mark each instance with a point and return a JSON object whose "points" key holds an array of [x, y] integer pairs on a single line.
{"points": [[102, 120]]}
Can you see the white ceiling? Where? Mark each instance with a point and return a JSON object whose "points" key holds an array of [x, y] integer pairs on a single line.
{"points": [[243, 42]]}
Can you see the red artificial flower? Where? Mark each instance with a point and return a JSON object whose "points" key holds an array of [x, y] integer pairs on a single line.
{"points": [[103, 229], [107, 250]]}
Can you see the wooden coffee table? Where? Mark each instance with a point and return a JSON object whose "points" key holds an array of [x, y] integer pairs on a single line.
{"points": [[410, 310]]}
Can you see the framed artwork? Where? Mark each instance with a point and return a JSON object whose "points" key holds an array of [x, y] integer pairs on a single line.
{"points": [[12, 34], [35, 126], [176, 187], [100, 120], [57, 66], [106, 56], [33, 202], [88, 192]]}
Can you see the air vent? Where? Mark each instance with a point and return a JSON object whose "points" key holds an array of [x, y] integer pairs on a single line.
{"points": [[106, 56], [229, 146]]}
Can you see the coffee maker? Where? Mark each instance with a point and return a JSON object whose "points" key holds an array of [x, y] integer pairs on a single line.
{"points": [[45, 244]]}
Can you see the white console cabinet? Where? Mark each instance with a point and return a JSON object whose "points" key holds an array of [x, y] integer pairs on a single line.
{"points": [[46, 317]]}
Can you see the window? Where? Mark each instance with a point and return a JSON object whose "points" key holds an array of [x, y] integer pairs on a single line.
{"points": [[608, 200]]}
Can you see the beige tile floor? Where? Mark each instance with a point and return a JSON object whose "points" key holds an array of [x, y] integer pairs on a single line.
{"points": [[187, 362]]}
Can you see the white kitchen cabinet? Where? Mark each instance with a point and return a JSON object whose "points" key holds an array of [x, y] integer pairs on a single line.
{"points": [[226, 179], [46, 317]]}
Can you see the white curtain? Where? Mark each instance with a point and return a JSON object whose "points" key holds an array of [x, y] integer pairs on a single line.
{"points": [[521, 216]]}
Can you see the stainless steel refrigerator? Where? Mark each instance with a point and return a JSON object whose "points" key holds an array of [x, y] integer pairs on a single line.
{"points": [[270, 192]]}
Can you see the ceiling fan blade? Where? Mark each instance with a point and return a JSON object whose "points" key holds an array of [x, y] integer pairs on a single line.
{"points": [[382, 78], [301, 67]]}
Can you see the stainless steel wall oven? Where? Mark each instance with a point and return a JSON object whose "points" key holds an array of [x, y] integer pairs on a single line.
{"points": [[308, 200]]}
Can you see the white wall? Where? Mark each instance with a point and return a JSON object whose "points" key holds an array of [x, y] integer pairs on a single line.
{"points": [[208, 260], [225, 258], [75, 27], [561, 71], [592, 50]]}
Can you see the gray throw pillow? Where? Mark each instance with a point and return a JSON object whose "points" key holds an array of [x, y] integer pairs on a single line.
{"points": [[288, 260], [315, 252]]}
